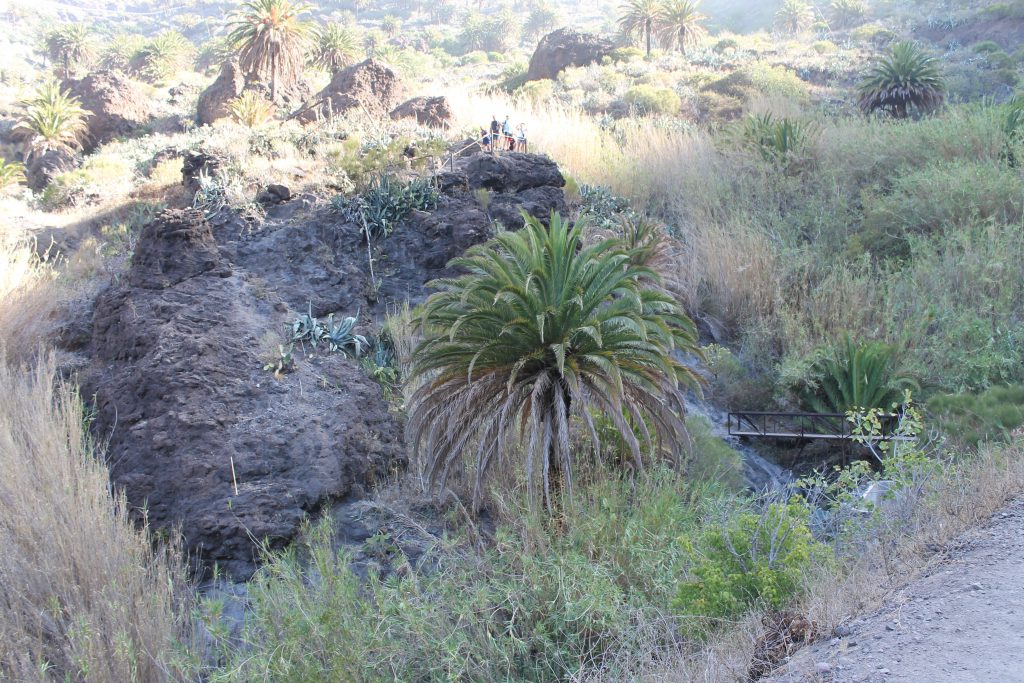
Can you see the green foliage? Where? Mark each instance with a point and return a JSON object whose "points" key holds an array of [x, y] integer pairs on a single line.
{"points": [[856, 376], [758, 558], [70, 45], [972, 419], [847, 13], [162, 56], [270, 38], [781, 141], [680, 24], [11, 173], [336, 46], [542, 18], [540, 329], [794, 16], [640, 19], [904, 79], [386, 202], [649, 99], [53, 120], [283, 362], [308, 329], [713, 461], [251, 109], [382, 367], [340, 338]]}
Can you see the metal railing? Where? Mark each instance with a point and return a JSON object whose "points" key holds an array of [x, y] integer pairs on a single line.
{"points": [[825, 426]]}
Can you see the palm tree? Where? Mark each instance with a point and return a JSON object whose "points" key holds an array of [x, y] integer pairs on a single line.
{"points": [[858, 377], [251, 109], [794, 16], [163, 56], [335, 48], [680, 24], [11, 172], [70, 45], [541, 329], [391, 25], [906, 78], [270, 39], [847, 13], [640, 18], [54, 120]]}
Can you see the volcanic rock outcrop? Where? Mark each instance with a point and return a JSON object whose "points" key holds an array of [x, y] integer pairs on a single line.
{"points": [[370, 86], [117, 105], [435, 112], [564, 48]]}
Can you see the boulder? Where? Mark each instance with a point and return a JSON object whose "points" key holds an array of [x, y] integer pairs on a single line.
{"points": [[370, 86], [564, 48], [117, 104], [213, 102], [435, 112], [196, 165], [512, 172], [42, 168], [200, 437]]}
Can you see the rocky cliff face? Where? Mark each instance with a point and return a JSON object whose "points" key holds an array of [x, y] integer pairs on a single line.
{"points": [[200, 436], [564, 48]]}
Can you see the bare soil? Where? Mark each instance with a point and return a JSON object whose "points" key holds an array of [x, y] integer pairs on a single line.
{"points": [[962, 621]]}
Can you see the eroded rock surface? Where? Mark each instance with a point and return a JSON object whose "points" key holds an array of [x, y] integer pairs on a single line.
{"points": [[117, 105], [564, 48], [369, 86], [435, 112]]}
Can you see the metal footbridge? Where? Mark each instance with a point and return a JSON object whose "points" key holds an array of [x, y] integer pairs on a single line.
{"points": [[806, 426]]}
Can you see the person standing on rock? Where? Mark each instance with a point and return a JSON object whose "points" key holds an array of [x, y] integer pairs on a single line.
{"points": [[521, 137], [495, 130], [506, 131]]}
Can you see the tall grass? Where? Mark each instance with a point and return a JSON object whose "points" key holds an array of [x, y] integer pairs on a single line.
{"points": [[84, 596], [28, 296]]}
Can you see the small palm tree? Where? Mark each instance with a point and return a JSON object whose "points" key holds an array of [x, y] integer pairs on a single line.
{"points": [[336, 47], [541, 19], [270, 39], [847, 13], [391, 25], [680, 24], [163, 56], [70, 45], [54, 120], [905, 78], [251, 109], [858, 377], [11, 172], [541, 329], [640, 18], [794, 16]]}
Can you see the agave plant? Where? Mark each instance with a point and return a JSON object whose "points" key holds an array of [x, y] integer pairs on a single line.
{"points": [[336, 47], [70, 45], [640, 19], [847, 13], [906, 78], [857, 377], [794, 16], [11, 172], [270, 38], [679, 25], [54, 120], [307, 328], [778, 140], [1013, 130], [540, 330], [342, 338], [251, 109]]}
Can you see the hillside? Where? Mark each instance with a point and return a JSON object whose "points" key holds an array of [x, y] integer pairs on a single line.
{"points": [[406, 341]]}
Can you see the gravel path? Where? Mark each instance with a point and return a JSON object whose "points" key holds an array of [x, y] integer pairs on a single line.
{"points": [[963, 622]]}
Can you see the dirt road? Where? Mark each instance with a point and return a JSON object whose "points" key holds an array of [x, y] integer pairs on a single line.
{"points": [[962, 622]]}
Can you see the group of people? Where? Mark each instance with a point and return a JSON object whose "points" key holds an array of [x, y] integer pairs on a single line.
{"points": [[500, 136]]}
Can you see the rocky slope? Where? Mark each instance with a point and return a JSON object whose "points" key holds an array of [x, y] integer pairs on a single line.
{"points": [[202, 438]]}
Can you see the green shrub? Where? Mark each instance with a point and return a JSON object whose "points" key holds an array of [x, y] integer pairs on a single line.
{"points": [[856, 377], [824, 47], [386, 201], [757, 558], [987, 47], [779, 141], [649, 99], [725, 45], [626, 54], [713, 461], [972, 419], [475, 57]]}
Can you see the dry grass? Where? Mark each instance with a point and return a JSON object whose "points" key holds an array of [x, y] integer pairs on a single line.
{"points": [[30, 296], [84, 597]]}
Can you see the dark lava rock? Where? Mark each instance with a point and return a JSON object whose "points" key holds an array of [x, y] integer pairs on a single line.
{"points": [[564, 48], [189, 413], [42, 168], [371, 86], [214, 101], [435, 112], [117, 104], [513, 172], [197, 164]]}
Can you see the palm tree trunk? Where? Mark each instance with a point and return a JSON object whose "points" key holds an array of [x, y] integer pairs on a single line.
{"points": [[647, 31]]}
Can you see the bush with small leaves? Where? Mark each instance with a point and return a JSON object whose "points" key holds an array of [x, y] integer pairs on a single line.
{"points": [[251, 109]]}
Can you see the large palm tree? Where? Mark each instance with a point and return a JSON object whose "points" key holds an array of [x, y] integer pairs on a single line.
{"points": [[847, 13], [70, 45], [336, 47], [270, 38], [54, 120], [680, 24], [640, 18], [906, 78], [541, 329], [794, 16]]}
